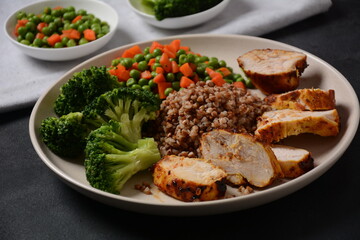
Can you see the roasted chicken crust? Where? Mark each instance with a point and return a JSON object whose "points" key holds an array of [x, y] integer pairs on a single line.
{"points": [[273, 70]]}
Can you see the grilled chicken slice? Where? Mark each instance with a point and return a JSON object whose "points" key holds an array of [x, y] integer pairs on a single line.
{"points": [[273, 70], [189, 179], [303, 99], [275, 125], [241, 155], [293, 161]]}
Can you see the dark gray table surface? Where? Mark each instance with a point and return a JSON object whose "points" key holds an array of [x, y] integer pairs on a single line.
{"points": [[36, 204]]}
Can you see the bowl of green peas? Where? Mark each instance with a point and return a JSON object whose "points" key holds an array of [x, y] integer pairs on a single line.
{"points": [[61, 30]]}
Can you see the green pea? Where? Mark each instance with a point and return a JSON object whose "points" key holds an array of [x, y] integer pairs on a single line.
{"points": [[130, 82], [170, 77], [22, 31], [115, 62], [70, 9], [157, 58], [47, 10], [48, 18], [58, 22], [58, 45], [152, 84], [248, 83], [81, 12], [105, 29], [24, 41], [38, 42], [47, 31], [168, 91], [30, 26], [64, 40], [19, 38], [127, 62], [100, 35], [135, 74], [180, 52], [122, 84], [96, 20], [52, 27], [71, 43], [153, 74], [191, 58], [183, 59], [142, 66], [143, 82], [35, 19], [69, 15], [56, 13], [83, 41], [146, 50], [29, 36], [139, 57], [20, 15], [67, 26], [146, 88], [175, 85], [136, 86], [157, 52], [228, 81], [74, 25], [148, 57], [82, 27], [222, 63]]}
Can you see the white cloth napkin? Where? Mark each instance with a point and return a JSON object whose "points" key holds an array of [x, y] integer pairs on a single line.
{"points": [[23, 79]]}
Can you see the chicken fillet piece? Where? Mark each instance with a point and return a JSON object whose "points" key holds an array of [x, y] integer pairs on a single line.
{"points": [[303, 99], [189, 179], [275, 125], [273, 70], [293, 161], [241, 156]]}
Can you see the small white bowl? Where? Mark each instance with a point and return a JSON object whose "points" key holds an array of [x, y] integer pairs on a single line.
{"points": [[100, 9], [177, 22]]}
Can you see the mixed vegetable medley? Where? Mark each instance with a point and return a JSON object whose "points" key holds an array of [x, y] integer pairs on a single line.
{"points": [[102, 111], [163, 68], [59, 27]]}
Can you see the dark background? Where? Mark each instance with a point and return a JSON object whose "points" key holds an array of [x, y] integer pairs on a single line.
{"points": [[35, 204]]}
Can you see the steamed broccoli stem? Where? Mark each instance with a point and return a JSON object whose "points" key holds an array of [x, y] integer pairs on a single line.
{"points": [[108, 166]]}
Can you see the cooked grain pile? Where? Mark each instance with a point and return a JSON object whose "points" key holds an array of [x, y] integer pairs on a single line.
{"points": [[187, 114]]}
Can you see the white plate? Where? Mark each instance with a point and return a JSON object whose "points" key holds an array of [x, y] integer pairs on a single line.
{"points": [[177, 22], [325, 150]]}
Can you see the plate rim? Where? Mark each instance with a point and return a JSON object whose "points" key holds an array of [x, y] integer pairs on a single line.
{"points": [[187, 208]]}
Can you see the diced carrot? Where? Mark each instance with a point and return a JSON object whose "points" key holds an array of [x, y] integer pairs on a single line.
{"points": [[159, 78], [239, 85], [122, 73], [159, 70], [213, 73], [155, 45], [89, 34], [218, 80], [225, 71], [40, 35], [165, 62], [151, 61], [193, 66], [174, 67], [131, 52], [146, 74], [58, 8], [185, 82], [71, 33], [169, 51], [186, 70], [23, 22], [53, 39], [176, 44], [77, 18], [112, 71], [162, 86], [195, 78], [41, 25]]}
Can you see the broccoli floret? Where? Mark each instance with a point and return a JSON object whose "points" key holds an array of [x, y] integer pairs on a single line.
{"points": [[177, 8], [65, 136], [83, 88], [111, 159], [131, 107]]}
